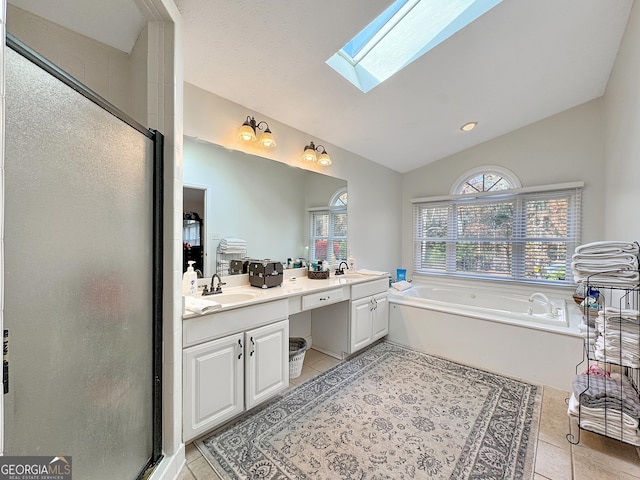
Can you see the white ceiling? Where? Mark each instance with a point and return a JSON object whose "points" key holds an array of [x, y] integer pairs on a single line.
{"points": [[521, 62]]}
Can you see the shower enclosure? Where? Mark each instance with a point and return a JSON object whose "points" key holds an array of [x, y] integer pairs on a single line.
{"points": [[82, 275]]}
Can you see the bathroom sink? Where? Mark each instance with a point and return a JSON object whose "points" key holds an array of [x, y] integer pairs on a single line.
{"points": [[233, 297]]}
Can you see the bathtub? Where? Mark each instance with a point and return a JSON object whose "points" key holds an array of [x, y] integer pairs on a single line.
{"points": [[491, 327], [487, 304]]}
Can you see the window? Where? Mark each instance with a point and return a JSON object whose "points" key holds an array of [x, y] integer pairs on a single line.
{"points": [[406, 30], [328, 238], [523, 234]]}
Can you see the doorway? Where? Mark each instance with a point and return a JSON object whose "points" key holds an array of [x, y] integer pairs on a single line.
{"points": [[194, 226]]}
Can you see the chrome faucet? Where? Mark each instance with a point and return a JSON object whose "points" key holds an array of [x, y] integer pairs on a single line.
{"points": [[340, 270], [213, 291], [547, 301]]}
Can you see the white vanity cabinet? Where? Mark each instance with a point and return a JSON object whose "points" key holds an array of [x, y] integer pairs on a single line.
{"points": [[266, 362], [227, 375], [369, 320], [213, 384], [346, 327]]}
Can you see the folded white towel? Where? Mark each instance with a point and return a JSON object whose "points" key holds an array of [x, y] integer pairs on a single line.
{"points": [[364, 271], [232, 245], [401, 285], [609, 280], [200, 305], [609, 422], [624, 312], [608, 247], [604, 266]]}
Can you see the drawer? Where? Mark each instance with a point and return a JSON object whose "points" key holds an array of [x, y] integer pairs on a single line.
{"points": [[215, 325], [361, 290], [321, 299]]}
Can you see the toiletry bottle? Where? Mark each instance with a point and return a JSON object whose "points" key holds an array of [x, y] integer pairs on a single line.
{"points": [[190, 281], [351, 262]]}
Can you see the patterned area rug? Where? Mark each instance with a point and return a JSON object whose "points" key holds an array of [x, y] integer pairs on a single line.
{"points": [[387, 413]]}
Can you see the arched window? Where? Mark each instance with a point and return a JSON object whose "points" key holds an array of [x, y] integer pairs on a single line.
{"points": [[503, 231], [328, 236], [489, 178], [339, 198]]}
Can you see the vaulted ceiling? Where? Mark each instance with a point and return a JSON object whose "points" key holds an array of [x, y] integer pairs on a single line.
{"points": [[519, 63]]}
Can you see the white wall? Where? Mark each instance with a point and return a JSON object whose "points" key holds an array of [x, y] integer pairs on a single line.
{"points": [[622, 139], [566, 147], [138, 61], [106, 70], [374, 190]]}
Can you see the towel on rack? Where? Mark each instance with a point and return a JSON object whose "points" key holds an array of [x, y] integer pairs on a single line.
{"points": [[200, 305], [609, 247], [605, 392], [610, 280], [609, 422], [605, 266], [606, 263], [232, 245], [618, 312]]}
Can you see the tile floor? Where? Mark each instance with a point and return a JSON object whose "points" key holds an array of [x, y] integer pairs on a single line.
{"points": [[594, 458]]}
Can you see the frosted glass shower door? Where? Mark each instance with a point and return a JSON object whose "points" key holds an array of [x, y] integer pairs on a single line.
{"points": [[78, 279]]}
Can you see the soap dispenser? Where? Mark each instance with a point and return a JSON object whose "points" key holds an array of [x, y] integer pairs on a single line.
{"points": [[351, 262], [190, 281]]}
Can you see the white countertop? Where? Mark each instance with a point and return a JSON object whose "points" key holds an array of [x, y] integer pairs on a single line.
{"points": [[292, 286]]}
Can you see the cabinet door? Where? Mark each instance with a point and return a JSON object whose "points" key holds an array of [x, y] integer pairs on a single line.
{"points": [[267, 362], [213, 384], [380, 317], [360, 323]]}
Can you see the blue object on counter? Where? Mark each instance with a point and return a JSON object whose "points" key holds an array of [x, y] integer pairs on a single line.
{"points": [[401, 274]]}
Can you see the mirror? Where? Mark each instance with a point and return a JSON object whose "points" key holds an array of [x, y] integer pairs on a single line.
{"points": [[244, 197]]}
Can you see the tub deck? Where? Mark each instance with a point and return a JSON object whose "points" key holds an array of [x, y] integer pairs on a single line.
{"points": [[540, 353]]}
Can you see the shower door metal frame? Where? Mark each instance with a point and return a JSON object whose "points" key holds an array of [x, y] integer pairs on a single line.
{"points": [[157, 229]]}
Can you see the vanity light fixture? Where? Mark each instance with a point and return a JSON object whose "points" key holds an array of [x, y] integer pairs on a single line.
{"points": [[467, 127], [249, 128], [309, 155]]}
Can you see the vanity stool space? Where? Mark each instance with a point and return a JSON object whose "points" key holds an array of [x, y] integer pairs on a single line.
{"points": [[340, 333], [238, 356]]}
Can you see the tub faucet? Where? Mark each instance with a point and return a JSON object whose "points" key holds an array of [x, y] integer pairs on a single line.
{"points": [[340, 270], [547, 301], [211, 290]]}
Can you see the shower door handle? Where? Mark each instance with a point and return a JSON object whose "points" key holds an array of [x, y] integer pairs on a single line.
{"points": [[5, 361]]}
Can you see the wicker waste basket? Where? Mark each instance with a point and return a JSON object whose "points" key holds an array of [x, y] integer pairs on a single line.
{"points": [[297, 347]]}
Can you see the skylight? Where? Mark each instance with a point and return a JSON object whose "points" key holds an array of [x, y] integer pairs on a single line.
{"points": [[399, 35]]}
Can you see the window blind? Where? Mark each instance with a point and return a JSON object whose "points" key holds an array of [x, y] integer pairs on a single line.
{"points": [[328, 237], [525, 236]]}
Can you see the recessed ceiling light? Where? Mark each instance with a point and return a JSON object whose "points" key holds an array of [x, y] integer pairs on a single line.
{"points": [[467, 127]]}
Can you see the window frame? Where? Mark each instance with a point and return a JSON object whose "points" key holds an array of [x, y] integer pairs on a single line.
{"points": [[337, 206], [518, 240]]}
